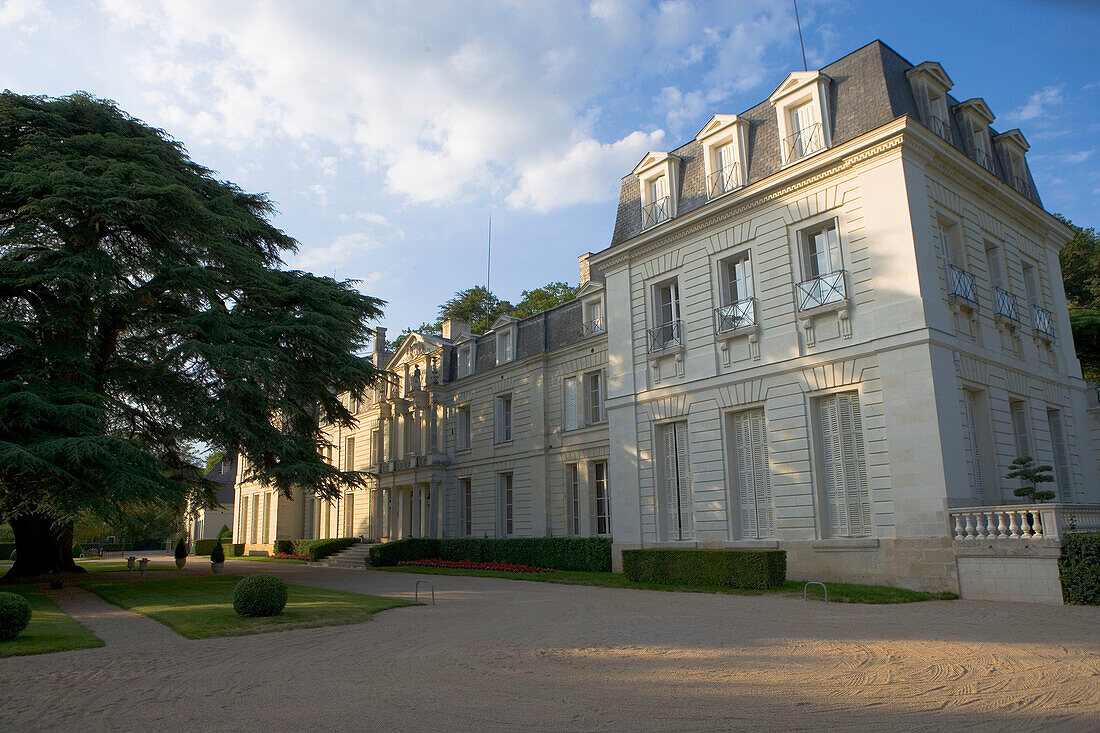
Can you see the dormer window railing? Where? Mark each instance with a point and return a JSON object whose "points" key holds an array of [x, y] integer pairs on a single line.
{"points": [[802, 143], [985, 160], [592, 327], [1004, 304], [940, 127], [656, 212], [820, 291], [723, 180], [1043, 320]]}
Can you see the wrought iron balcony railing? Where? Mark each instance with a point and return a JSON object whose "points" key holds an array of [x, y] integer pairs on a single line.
{"points": [[723, 181], [985, 160], [1004, 304], [802, 143], [960, 283], [666, 336], [592, 327], [1043, 320], [656, 212], [735, 316], [940, 127], [823, 290]]}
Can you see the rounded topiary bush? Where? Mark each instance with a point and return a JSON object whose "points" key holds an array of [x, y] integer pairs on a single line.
{"points": [[259, 595], [15, 614]]}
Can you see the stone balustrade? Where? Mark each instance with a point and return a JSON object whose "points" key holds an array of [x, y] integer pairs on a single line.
{"points": [[1023, 521]]}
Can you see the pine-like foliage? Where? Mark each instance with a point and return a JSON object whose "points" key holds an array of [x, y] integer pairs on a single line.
{"points": [[143, 310], [1025, 468]]}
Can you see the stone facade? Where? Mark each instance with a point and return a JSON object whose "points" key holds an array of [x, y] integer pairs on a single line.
{"points": [[820, 340]]}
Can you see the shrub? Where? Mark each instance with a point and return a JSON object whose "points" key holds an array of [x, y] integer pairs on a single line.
{"points": [[232, 550], [320, 549], [77, 550], [181, 549], [1080, 568], [15, 614], [732, 568], [283, 547], [217, 554], [204, 547], [259, 595], [557, 553]]}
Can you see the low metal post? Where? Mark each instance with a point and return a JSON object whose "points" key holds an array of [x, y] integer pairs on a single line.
{"points": [[814, 582]]}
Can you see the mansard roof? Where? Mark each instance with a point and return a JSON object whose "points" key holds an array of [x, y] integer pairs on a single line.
{"points": [[867, 89]]}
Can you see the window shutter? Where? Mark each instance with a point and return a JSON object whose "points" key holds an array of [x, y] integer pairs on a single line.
{"points": [[1019, 429], [1061, 456], [973, 447], [855, 465], [832, 461], [746, 499], [992, 261], [761, 475], [571, 403], [669, 475], [683, 482]]}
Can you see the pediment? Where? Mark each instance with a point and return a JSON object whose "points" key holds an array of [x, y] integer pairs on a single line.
{"points": [[651, 159], [589, 288], [503, 322], [717, 124], [978, 108], [1015, 137], [414, 347], [794, 82], [934, 71]]}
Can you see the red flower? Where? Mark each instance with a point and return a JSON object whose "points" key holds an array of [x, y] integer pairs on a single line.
{"points": [[506, 567]]}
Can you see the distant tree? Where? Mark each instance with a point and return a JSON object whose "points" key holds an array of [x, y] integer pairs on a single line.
{"points": [[1080, 261], [1026, 469], [476, 306], [544, 298], [395, 343], [144, 311], [212, 460]]}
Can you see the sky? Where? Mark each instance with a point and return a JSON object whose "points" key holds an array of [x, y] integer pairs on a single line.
{"points": [[388, 133]]}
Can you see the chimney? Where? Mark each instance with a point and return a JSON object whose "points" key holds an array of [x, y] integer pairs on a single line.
{"points": [[588, 272], [379, 346], [454, 328]]}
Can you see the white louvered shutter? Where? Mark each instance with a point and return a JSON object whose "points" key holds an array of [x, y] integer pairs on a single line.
{"points": [[669, 475], [683, 475], [833, 243], [660, 188], [833, 462], [742, 274], [571, 415], [761, 475], [746, 502], [858, 498], [1061, 456], [973, 448], [1019, 429]]}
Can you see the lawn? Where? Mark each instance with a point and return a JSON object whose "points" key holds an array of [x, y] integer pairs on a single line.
{"points": [[199, 608], [50, 629], [838, 592]]}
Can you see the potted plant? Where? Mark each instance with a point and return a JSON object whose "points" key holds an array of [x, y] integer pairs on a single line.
{"points": [[181, 553], [217, 558]]}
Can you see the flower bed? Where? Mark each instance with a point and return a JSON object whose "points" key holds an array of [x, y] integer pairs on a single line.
{"points": [[506, 567], [289, 556]]}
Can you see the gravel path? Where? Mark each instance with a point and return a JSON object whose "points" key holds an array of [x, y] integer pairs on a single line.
{"points": [[497, 654]]}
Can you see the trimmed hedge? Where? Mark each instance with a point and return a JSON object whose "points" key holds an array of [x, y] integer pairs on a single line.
{"points": [[204, 547], [15, 614], [557, 553], [1079, 567], [284, 547], [733, 568], [320, 549], [260, 595]]}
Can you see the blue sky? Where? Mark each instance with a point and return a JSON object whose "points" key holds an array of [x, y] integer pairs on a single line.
{"points": [[388, 132]]}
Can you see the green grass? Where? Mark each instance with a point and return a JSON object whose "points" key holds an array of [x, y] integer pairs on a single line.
{"points": [[199, 608], [288, 561], [50, 629], [838, 592]]}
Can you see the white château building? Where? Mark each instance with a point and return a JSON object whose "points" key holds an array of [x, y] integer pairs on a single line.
{"points": [[827, 324]]}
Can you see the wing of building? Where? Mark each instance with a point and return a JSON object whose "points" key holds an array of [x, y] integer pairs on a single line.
{"points": [[204, 524], [827, 324]]}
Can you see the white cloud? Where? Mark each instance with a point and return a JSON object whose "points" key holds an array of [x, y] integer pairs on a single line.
{"points": [[588, 172], [26, 14], [1080, 156], [339, 253], [1038, 104]]}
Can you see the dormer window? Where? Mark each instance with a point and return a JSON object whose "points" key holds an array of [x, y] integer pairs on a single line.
{"points": [[801, 110], [466, 359], [591, 295], [657, 180], [723, 141], [930, 84], [505, 330], [976, 119], [1013, 149]]}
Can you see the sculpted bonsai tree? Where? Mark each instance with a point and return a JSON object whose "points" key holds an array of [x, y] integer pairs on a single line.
{"points": [[144, 312], [1025, 468]]}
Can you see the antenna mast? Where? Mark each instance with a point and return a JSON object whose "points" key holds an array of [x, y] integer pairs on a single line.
{"points": [[799, 25], [488, 267]]}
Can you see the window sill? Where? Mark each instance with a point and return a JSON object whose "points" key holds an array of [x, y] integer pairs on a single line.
{"points": [[738, 332], [845, 543], [763, 544], [669, 350], [817, 310], [502, 444]]}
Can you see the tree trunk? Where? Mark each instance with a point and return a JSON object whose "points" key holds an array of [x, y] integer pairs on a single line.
{"points": [[41, 548]]}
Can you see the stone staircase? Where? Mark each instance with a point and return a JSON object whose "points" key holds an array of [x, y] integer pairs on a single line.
{"points": [[351, 558]]}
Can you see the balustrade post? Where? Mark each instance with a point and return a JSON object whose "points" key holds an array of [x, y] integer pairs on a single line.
{"points": [[1038, 526], [958, 527], [1013, 526], [969, 526], [989, 531], [1001, 534]]}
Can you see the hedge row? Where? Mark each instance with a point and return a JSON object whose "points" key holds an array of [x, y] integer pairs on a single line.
{"points": [[204, 547], [558, 553], [733, 568], [1080, 568], [315, 549]]}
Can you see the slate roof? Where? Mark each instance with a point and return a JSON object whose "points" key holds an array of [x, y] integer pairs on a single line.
{"points": [[868, 89], [226, 478]]}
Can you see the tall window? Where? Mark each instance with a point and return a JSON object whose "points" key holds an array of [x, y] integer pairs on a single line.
{"points": [[805, 137], [349, 454], [571, 416], [504, 484], [843, 465], [602, 499], [994, 265], [466, 488], [593, 389], [573, 499], [675, 472], [737, 279], [462, 428], [407, 434], [466, 360], [666, 316], [752, 481], [951, 242], [726, 163], [506, 345], [658, 195], [1031, 285], [504, 418], [1021, 432], [821, 251], [976, 435], [1061, 455]]}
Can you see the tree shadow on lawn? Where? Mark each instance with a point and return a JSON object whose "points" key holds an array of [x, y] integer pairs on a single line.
{"points": [[50, 629]]}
